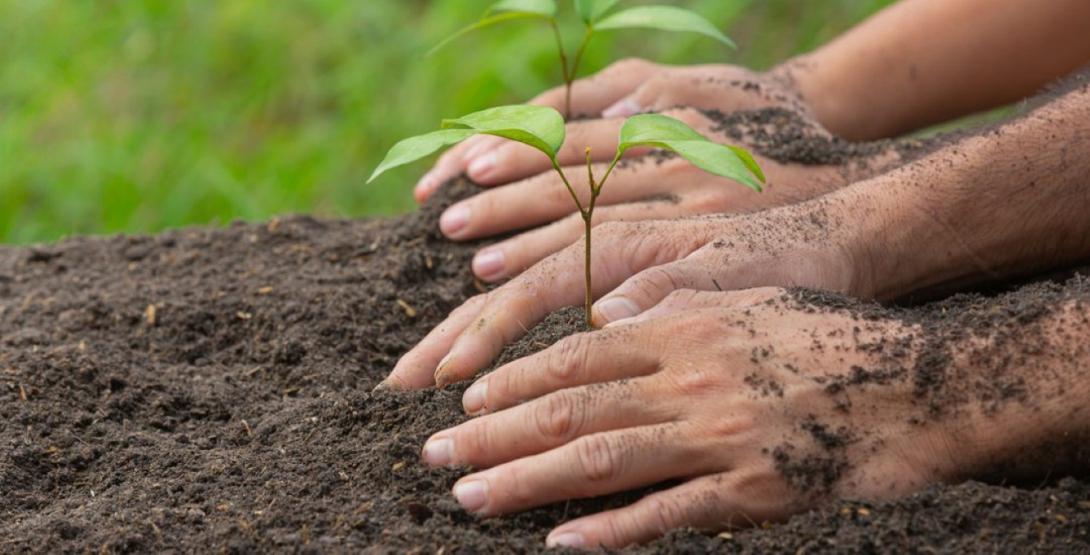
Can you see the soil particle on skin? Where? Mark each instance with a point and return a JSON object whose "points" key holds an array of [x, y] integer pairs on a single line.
{"points": [[237, 413], [787, 137]]}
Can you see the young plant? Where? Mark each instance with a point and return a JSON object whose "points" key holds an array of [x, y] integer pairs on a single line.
{"points": [[543, 128], [596, 16]]}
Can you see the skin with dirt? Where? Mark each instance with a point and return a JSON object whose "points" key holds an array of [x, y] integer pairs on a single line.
{"points": [[209, 389]]}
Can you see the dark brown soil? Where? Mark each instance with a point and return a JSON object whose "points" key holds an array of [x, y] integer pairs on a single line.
{"points": [[210, 390]]}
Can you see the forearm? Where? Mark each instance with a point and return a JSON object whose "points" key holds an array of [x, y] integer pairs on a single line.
{"points": [[1007, 202], [920, 62]]}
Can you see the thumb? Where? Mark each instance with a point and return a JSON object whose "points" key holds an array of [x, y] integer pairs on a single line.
{"points": [[647, 288], [691, 299]]}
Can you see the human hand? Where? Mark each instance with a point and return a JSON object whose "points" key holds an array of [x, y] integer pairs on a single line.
{"points": [[757, 405], [625, 88], [638, 191], [811, 244], [647, 188]]}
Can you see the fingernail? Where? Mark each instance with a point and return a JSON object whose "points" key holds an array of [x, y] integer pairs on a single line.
{"points": [[382, 386], [473, 399], [488, 264], [471, 495], [566, 539], [440, 371], [426, 184], [621, 109], [454, 219], [438, 452], [482, 166], [617, 308]]}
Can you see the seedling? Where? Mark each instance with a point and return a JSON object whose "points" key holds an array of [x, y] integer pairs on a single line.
{"points": [[543, 129], [596, 16]]}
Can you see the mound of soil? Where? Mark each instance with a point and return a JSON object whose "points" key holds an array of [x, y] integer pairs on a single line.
{"points": [[210, 390]]}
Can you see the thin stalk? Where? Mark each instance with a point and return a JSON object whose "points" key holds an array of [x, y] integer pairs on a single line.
{"points": [[567, 185], [588, 224], [563, 67], [612, 165], [571, 74]]}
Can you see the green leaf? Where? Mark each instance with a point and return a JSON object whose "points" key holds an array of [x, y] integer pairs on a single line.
{"points": [[504, 10], [592, 10], [538, 126], [414, 148], [748, 160], [666, 18], [659, 131]]}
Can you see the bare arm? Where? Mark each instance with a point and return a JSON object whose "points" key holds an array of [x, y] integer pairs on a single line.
{"points": [[1006, 202], [920, 62]]}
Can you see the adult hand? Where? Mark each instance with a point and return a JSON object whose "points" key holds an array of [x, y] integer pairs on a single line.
{"points": [[640, 190], [811, 244], [624, 88], [739, 394], [647, 188]]}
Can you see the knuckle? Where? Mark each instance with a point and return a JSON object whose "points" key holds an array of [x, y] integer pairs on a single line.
{"points": [[568, 357], [680, 298], [663, 514], [695, 381], [597, 458], [559, 416], [475, 438], [660, 280]]}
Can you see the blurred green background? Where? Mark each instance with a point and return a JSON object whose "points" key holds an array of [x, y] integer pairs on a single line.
{"points": [[139, 115]]}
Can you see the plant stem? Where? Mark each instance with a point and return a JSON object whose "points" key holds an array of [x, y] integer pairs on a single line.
{"points": [[568, 186], [563, 67], [588, 224], [574, 71]]}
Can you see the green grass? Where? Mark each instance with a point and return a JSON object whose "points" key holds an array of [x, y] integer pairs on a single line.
{"points": [[140, 115]]}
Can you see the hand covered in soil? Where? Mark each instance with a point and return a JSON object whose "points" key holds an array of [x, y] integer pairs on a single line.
{"points": [[638, 264], [625, 88], [643, 189], [760, 408]]}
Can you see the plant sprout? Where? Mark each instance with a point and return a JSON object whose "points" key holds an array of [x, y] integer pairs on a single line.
{"points": [[596, 16], [543, 129]]}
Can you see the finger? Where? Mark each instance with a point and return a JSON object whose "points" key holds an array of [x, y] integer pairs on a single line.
{"points": [[451, 164], [558, 281], [728, 91], [703, 503], [544, 424], [692, 299], [581, 359], [508, 160], [512, 160], [645, 289], [512, 256], [591, 94], [415, 369], [545, 198], [591, 465]]}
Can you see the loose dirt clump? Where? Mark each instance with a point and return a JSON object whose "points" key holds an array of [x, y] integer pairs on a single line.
{"points": [[210, 390]]}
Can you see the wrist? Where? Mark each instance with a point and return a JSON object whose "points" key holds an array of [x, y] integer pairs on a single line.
{"points": [[811, 79], [1027, 419]]}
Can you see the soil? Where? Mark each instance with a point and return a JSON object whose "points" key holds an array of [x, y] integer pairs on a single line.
{"points": [[210, 390]]}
